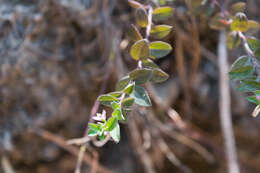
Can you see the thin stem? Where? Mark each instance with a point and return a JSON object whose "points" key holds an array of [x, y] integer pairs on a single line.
{"points": [[96, 105], [140, 64], [250, 53], [102, 143], [245, 44], [148, 28], [224, 105], [121, 99], [108, 137]]}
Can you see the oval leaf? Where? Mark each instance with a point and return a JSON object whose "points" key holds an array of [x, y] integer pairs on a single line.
{"points": [[159, 76], [242, 73], [115, 94], [122, 83], [162, 2], [115, 133], [257, 53], [160, 31], [129, 89], [115, 105], [162, 13], [141, 96], [240, 23], [140, 50], [111, 123], [141, 17], [233, 40], [141, 76], [128, 102], [148, 63], [241, 69], [238, 7], [159, 49], [106, 99], [133, 33], [253, 26], [254, 99], [94, 129], [134, 4], [249, 86], [253, 43], [118, 114], [240, 62]]}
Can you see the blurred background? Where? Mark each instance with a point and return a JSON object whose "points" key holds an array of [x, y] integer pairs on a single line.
{"points": [[56, 55]]}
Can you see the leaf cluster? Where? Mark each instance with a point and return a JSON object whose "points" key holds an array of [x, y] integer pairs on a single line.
{"points": [[246, 69], [130, 89]]}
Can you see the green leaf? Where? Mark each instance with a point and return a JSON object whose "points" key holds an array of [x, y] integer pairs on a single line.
{"points": [[240, 62], [241, 69], [141, 76], [159, 76], [253, 99], [253, 43], [115, 133], [133, 33], [102, 137], [141, 17], [111, 123], [140, 50], [162, 13], [148, 63], [122, 83], [128, 102], [162, 2], [134, 4], [129, 89], [257, 93], [94, 129], [159, 49], [141, 96], [115, 105], [238, 7], [242, 73], [160, 31], [118, 114], [249, 86], [233, 40], [253, 26], [257, 52], [115, 94], [240, 23], [92, 132], [107, 99]]}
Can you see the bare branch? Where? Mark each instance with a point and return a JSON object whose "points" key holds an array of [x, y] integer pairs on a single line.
{"points": [[224, 106]]}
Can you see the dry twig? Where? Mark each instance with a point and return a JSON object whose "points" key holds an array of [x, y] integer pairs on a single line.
{"points": [[224, 106], [6, 165], [58, 140]]}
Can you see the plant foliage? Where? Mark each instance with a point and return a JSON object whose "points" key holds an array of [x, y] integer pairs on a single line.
{"points": [[129, 89], [246, 69]]}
